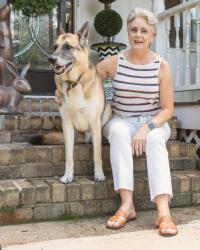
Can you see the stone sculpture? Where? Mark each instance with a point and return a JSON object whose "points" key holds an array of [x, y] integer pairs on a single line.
{"points": [[12, 85]]}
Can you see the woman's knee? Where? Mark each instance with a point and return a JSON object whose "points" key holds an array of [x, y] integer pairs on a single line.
{"points": [[119, 129], [155, 138]]}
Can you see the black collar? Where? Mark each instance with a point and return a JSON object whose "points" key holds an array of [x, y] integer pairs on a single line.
{"points": [[72, 84]]}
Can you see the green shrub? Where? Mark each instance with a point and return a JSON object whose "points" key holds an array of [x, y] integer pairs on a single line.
{"points": [[108, 23], [34, 7]]}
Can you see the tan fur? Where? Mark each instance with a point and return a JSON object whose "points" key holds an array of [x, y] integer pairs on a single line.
{"points": [[83, 106], [53, 138]]}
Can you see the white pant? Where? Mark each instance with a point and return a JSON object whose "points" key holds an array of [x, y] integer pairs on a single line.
{"points": [[119, 132]]}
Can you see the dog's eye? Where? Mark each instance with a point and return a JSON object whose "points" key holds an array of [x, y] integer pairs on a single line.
{"points": [[55, 47], [67, 46]]}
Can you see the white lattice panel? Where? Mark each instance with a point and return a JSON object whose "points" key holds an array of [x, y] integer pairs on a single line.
{"points": [[191, 136]]}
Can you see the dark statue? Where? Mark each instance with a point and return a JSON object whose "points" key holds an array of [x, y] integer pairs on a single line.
{"points": [[12, 85], [11, 95], [6, 52]]}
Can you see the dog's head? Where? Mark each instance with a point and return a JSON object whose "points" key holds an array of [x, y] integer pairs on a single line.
{"points": [[67, 49]]}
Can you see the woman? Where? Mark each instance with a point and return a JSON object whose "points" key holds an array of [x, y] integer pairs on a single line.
{"points": [[142, 105]]}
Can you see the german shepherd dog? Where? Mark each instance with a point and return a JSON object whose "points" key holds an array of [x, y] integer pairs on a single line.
{"points": [[83, 107]]}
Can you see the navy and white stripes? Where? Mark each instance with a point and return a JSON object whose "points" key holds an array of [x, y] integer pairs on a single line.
{"points": [[136, 88]]}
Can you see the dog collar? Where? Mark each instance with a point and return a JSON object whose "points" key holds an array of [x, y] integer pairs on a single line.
{"points": [[71, 85]]}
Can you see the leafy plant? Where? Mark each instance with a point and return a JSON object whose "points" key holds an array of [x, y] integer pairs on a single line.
{"points": [[108, 22], [34, 7]]}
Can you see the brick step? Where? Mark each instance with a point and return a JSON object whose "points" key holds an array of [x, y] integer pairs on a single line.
{"points": [[23, 200], [23, 160], [21, 128], [35, 104]]}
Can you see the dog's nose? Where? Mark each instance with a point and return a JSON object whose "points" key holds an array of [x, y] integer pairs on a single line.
{"points": [[52, 59]]}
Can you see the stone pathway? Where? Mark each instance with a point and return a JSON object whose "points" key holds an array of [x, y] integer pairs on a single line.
{"points": [[187, 218]]}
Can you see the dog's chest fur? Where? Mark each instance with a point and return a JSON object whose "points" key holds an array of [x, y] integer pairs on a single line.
{"points": [[75, 108]]}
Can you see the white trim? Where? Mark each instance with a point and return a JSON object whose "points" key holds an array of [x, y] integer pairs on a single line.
{"points": [[39, 96], [76, 14], [190, 87], [179, 8]]}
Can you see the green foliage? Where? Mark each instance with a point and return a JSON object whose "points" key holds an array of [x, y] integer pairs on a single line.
{"points": [[107, 1], [108, 23], [34, 7]]}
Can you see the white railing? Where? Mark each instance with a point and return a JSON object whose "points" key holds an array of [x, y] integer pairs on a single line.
{"points": [[185, 62]]}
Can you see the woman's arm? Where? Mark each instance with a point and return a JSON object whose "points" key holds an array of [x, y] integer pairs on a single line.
{"points": [[107, 67], [166, 95]]}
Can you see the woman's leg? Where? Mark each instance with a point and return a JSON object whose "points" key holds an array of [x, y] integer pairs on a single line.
{"points": [[158, 163], [159, 173], [164, 220], [162, 203], [119, 133]]}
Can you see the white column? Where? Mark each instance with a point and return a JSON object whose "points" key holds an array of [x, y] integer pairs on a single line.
{"points": [[198, 46], [187, 47], [167, 29], [177, 28], [158, 6]]}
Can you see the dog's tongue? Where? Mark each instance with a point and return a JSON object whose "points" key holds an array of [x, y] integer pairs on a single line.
{"points": [[59, 69]]}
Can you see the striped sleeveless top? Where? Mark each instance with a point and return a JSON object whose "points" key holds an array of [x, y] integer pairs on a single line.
{"points": [[136, 88]]}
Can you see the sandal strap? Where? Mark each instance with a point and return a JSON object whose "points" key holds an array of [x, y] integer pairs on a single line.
{"points": [[165, 225], [120, 216], [166, 222]]}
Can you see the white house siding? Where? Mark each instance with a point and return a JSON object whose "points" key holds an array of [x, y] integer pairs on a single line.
{"points": [[188, 116], [86, 10]]}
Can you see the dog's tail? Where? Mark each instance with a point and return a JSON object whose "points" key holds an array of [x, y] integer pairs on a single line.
{"points": [[51, 138]]}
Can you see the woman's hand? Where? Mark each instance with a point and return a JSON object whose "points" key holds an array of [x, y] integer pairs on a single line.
{"points": [[58, 97], [139, 140]]}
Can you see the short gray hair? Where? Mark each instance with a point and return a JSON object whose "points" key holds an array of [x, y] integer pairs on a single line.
{"points": [[149, 16]]}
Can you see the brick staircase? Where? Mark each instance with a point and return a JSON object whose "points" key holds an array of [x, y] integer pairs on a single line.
{"points": [[29, 183]]}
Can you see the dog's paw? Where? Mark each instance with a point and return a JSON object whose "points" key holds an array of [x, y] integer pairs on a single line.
{"points": [[66, 179], [99, 176]]}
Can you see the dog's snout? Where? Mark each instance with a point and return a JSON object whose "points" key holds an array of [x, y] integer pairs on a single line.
{"points": [[52, 59]]}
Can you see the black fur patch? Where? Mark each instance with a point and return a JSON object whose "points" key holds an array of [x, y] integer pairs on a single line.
{"points": [[37, 140]]}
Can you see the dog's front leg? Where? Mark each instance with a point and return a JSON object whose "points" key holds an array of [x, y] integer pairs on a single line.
{"points": [[96, 139], [68, 132]]}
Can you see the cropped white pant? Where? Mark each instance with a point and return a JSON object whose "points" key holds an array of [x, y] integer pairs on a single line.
{"points": [[119, 132]]}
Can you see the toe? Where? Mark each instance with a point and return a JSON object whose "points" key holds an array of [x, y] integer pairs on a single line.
{"points": [[112, 224], [169, 231]]}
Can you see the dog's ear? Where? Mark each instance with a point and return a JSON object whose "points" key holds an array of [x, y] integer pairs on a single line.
{"points": [[61, 29], [83, 34]]}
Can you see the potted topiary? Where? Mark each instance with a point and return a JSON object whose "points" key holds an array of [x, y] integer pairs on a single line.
{"points": [[108, 24]]}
